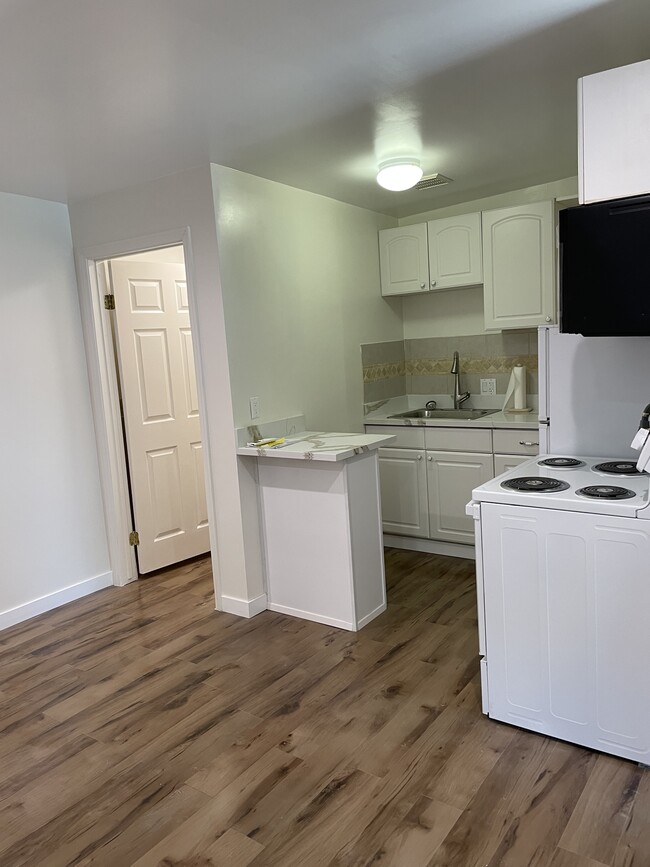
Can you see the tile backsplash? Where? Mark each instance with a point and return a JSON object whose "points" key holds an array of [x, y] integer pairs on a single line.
{"points": [[422, 365], [384, 370]]}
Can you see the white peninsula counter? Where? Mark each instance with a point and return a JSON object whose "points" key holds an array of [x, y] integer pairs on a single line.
{"points": [[321, 520]]}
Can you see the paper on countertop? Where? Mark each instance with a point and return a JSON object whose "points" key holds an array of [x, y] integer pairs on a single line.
{"points": [[516, 391]]}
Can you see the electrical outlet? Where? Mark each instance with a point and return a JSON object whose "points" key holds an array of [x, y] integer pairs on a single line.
{"points": [[488, 386], [255, 407]]}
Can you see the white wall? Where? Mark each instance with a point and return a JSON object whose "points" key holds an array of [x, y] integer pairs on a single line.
{"points": [[51, 521], [300, 276], [172, 204], [460, 311]]}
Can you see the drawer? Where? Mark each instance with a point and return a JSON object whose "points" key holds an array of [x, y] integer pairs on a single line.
{"points": [[516, 442], [406, 437], [458, 439]]}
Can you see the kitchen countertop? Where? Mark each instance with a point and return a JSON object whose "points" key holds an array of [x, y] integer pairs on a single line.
{"points": [[382, 414], [319, 446]]}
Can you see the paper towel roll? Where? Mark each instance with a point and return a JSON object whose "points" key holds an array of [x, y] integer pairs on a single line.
{"points": [[516, 391]]}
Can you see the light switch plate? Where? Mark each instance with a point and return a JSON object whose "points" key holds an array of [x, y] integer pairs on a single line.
{"points": [[488, 386], [255, 407]]}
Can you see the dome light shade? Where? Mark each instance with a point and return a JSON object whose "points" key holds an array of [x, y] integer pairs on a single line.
{"points": [[399, 174]]}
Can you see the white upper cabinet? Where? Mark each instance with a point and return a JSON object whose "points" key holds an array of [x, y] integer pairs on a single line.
{"points": [[613, 133], [440, 254], [518, 266], [403, 260], [455, 255]]}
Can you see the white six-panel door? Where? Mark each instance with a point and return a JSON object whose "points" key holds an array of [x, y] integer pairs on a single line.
{"points": [[158, 381]]}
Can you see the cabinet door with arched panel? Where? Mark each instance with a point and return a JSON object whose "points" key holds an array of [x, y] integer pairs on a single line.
{"points": [[455, 255], [518, 266], [403, 260]]}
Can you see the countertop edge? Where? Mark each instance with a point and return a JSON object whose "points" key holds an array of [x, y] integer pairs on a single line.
{"points": [[342, 453], [531, 422]]}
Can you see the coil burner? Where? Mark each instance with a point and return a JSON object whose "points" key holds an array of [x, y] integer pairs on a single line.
{"points": [[561, 463], [618, 468], [605, 492], [535, 485]]}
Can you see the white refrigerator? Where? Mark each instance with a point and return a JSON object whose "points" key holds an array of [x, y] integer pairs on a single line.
{"points": [[592, 391]]}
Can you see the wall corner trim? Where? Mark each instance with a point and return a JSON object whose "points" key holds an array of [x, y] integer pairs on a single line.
{"points": [[53, 600], [244, 607]]}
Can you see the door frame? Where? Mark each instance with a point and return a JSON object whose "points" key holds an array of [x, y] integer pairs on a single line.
{"points": [[105, 398]]}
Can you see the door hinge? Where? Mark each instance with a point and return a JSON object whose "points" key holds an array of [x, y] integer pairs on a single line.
{"points": [[134, 538], [109, 302]]}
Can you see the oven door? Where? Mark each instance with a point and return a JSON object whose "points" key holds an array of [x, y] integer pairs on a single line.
{"points": [[566, 600]]}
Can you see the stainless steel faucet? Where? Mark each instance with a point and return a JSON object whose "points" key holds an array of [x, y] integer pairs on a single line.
{"points": [[459, 397]]}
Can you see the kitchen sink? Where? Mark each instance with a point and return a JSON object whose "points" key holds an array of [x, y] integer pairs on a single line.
{"points": [[461, 414]]}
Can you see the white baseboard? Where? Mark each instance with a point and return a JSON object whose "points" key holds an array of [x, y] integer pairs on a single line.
{"points": [[244, 607], [308, 615], [53, 600], [428, 546], [372, 615]]}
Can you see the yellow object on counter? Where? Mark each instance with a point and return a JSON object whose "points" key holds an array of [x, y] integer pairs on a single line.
{"points": [[267, 443]]}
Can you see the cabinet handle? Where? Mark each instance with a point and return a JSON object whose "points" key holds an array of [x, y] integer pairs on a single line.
{"points": [[548, 318], [429, 458], [433, 282], [423, 285], [524, 443], [419, 457]]}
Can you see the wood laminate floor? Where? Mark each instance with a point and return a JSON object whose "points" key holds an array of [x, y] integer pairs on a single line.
{"points": [[138, 726]]}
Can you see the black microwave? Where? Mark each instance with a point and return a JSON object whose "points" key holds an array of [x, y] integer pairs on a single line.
{"points": [[605, 268]]}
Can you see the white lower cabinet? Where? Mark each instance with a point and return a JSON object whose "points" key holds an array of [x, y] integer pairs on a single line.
{"points": [[451, 478], [404, 505], [513, 447], [426, 484], [507, 462], [424, 494]]}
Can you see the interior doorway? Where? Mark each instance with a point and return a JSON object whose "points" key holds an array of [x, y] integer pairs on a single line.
{"points": [[147, 302]]}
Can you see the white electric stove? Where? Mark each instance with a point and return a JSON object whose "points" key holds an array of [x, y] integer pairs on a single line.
{"points": [[563, 575], [603, 486]]}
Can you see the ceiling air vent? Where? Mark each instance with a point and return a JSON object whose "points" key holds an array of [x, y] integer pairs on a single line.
{"points": [[429, 181]]}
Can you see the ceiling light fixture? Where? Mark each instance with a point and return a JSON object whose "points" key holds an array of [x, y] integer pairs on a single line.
{"points": [[399, 174]]}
